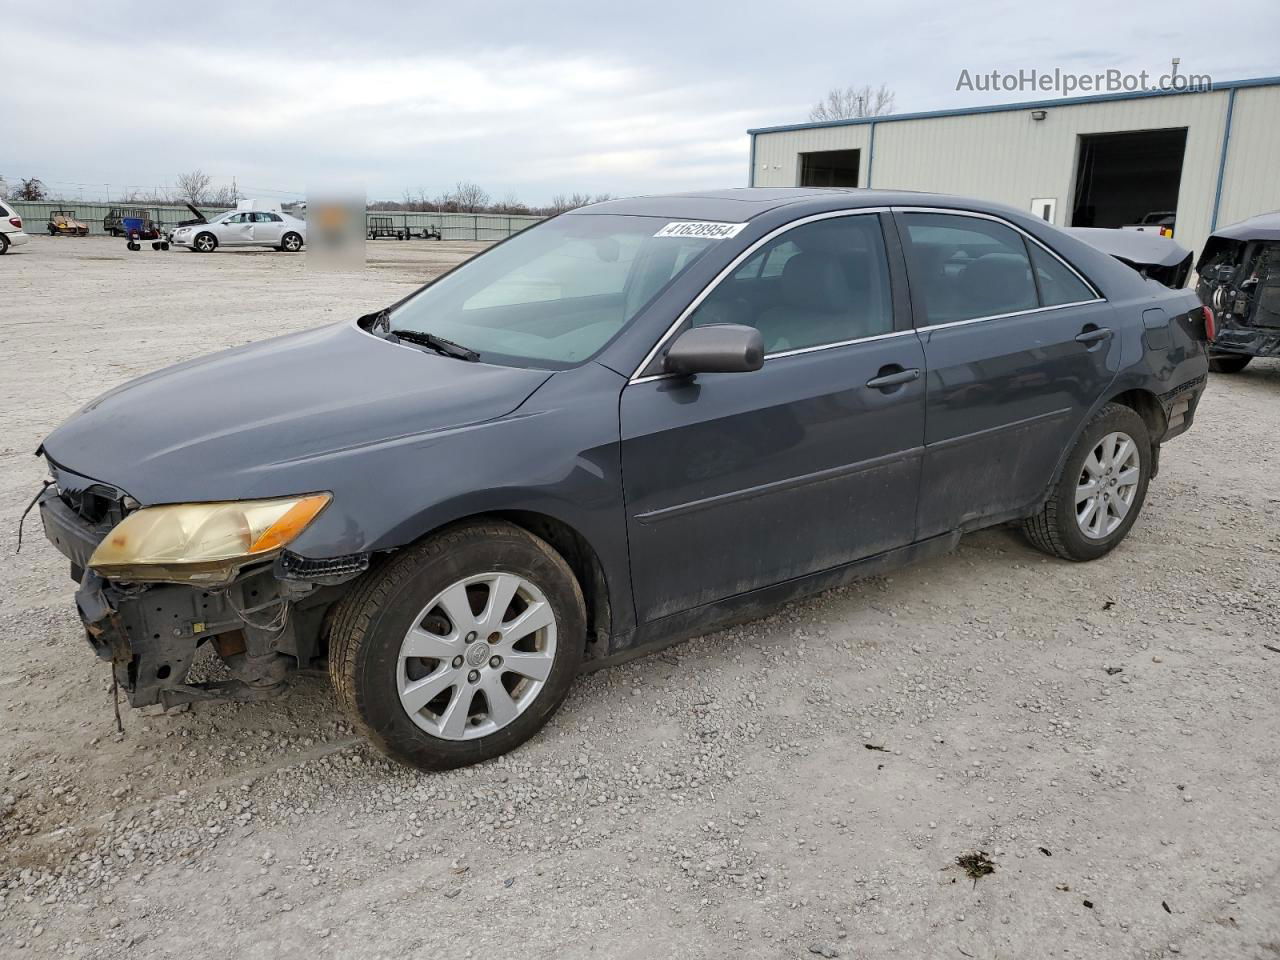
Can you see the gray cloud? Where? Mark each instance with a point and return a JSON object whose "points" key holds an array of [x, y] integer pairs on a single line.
{"points": [[529, 98]]}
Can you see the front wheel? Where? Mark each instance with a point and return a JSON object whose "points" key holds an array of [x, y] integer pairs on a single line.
{"points": [[205, 243], [1098, 495], [460, 648], [1228, 363]]}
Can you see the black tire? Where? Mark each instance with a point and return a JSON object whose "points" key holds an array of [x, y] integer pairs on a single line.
{"points": [[291, 242], [134, 246], [204, 243], [368, 625], [1055, 529], [1228, 363], [4, 244]]}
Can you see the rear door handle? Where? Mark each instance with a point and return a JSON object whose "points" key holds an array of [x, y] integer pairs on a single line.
{"points": [[1094, 335], [888, 380]]}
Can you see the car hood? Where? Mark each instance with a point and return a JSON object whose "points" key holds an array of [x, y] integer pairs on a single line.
{"points": [[1133, 246], [1265, 226], [283, 416]]}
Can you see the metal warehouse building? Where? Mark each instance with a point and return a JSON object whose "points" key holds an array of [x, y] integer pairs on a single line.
{"points": [[1211, 157]]}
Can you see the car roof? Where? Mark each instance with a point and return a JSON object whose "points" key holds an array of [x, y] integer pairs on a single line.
{"points": [[740, 204]]}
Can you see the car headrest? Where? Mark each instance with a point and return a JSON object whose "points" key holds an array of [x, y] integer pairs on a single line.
{"points": [[1001, 281], [815, 281]]}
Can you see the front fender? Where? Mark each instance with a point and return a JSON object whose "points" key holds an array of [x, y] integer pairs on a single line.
{"points": [[556, 455]]}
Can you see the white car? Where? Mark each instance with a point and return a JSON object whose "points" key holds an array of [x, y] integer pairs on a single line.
{"points": [[243, 228], [11, 234]]}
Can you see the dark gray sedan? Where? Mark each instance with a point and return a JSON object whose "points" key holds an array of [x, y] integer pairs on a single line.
{"points": [[619, 428]]}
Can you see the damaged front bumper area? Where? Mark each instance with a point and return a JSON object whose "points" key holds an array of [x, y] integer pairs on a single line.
{"points": [[1240, 281], [263, 625]]}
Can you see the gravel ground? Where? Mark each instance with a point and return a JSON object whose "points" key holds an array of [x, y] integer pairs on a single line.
{"points": [[1105, 734]]}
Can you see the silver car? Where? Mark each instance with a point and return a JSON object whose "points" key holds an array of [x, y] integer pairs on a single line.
{"points": [[244, 228]]}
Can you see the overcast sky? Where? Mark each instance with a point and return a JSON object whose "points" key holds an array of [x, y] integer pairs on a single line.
{"points": [[529, 98]]}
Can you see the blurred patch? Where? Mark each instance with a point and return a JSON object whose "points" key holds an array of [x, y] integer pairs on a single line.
{"points": [[335, 230]]}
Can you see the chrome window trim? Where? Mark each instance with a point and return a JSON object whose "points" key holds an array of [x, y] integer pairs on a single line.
{"points": [[727, 271], [1003, 316], [953, 211]]}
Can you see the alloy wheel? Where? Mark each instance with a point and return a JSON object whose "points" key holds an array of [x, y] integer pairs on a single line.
{"points": [[477, 656], [1108, 485]]}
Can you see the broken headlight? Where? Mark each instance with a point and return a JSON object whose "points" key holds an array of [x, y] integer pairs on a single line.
{"points": [[202, 542]]}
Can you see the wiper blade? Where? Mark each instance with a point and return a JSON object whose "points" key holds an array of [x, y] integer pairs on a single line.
{"points": [[439, 344]]}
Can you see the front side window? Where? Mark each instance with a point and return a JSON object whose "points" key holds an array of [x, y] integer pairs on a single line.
{"points": [[820, 283], [556, 293]]}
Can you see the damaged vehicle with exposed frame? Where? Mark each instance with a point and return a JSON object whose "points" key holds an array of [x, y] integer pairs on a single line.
{"points": [[622, 427], [1239, 279]]}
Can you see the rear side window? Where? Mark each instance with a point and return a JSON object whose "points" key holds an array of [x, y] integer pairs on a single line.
{"points": [[820, 283], [1058, 285], [966, 268]]}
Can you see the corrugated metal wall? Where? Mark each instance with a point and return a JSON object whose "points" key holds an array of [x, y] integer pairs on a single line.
{"points": [[452, 226], [1251, 181], [777, 157], [1010, 158]]}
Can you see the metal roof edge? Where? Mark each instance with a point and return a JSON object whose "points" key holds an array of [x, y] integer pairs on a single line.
{"points": [[1024, 105]]}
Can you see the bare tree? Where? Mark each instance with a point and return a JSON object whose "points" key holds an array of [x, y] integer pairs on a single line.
{"points": [[228, 195], [853, 102], [561, 203], [193, 186], [30, 188], [469, 197], [509, 204]]}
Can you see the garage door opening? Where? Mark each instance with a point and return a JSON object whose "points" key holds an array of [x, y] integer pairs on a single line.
{"points": [[1123, 179], [829, 168]]}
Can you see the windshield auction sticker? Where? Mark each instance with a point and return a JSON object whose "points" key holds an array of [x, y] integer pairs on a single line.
{"points": [[702, 229]]}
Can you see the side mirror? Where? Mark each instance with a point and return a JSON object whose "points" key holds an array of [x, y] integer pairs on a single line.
{"points": [[716, 348]]}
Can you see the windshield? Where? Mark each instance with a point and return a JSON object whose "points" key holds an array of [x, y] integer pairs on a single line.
{"points": [[554, 294]]}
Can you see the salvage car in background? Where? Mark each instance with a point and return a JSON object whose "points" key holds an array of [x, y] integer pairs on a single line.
{"points": [[242, 227], [113, 222], [1153, 255], [621, 427], [63, 223], [11, 233], [1239, 272]]}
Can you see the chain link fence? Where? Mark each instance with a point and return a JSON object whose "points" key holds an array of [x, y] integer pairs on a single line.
{"points": [[450, 226]]}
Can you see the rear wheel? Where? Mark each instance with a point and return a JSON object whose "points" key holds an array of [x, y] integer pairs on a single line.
{"points": [[4, 244], [460, 648], [291, 242], [204, 243], [1228, 363], [1099, 494]]}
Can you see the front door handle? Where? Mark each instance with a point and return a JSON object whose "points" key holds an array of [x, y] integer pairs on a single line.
{"points": [[886, 381], [1094, 335]]}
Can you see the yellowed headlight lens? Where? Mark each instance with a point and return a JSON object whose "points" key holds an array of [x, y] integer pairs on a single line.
{"points": [[204, 542]]}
